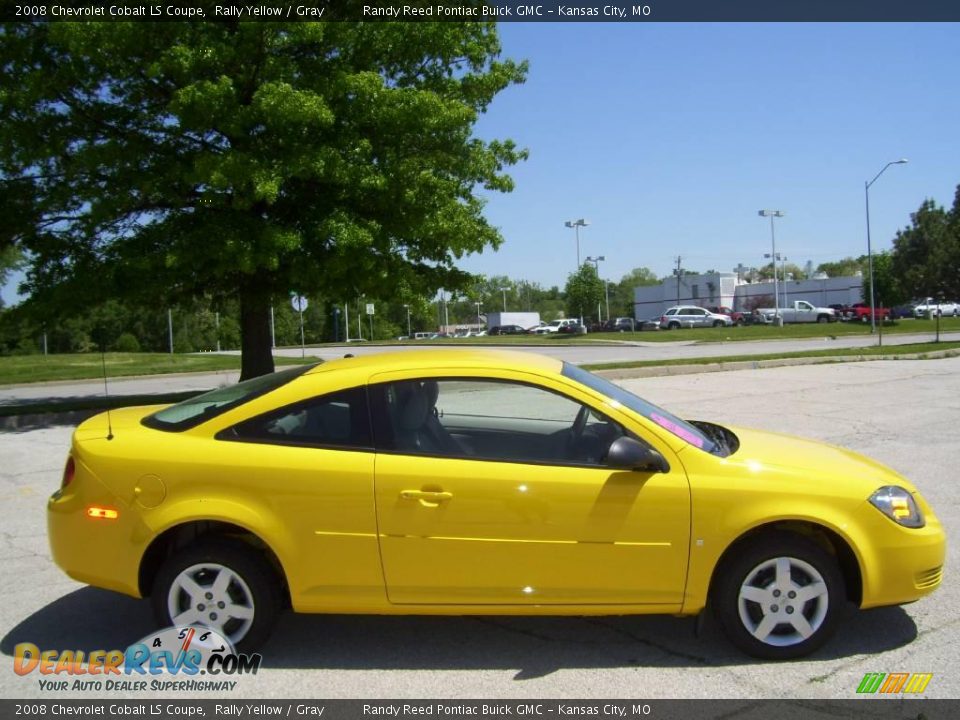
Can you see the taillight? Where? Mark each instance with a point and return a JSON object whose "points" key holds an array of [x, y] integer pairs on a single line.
{"points": [[69, 471], [663, 318]]}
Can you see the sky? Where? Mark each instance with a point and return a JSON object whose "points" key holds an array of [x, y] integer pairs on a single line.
{"points": [[669, 137]]}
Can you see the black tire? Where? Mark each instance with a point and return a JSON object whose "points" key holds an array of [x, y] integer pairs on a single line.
{"points": [[765, 625], [673, 326], [823, 319], [253, 587], [718, 323]]}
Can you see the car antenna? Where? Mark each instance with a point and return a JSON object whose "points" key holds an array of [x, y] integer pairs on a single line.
{"points": [[106, 393]]}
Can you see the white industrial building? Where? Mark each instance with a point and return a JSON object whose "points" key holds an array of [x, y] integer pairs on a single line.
{"points": [[727, 290]]}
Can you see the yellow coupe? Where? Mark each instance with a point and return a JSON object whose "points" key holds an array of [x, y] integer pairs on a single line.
{"points": [[480, 482]]}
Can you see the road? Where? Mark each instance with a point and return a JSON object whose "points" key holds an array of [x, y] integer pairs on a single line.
{"points": [[628, 351], [903, 413]]}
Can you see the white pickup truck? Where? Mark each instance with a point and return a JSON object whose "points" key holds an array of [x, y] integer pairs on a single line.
{"points": [[799, 311]]}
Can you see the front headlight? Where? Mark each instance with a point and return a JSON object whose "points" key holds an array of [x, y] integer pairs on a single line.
{"points": [[898, 505]]}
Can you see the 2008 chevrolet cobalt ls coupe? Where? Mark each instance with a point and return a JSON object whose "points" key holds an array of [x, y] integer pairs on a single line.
{"points": [[469, 482]]}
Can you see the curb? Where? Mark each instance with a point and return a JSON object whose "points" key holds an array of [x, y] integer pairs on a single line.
{"points": [[694, 369]]}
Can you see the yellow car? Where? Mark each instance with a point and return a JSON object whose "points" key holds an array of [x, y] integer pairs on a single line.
{"points": [[478, 482]]}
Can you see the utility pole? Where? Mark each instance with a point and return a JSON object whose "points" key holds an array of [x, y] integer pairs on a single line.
{"points": [[678, 272]]}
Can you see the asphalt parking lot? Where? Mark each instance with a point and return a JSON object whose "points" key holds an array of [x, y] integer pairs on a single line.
{"points": [[903, 413]]}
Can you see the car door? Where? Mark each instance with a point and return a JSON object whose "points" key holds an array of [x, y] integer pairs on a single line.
{"points": [[697, 317], [511, 508], [311, 466]]}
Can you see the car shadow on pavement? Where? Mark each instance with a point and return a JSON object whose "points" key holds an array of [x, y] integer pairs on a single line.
{"points": [[92, 619]]}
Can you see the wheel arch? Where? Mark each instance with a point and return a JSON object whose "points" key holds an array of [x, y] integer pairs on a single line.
{"points": [[827, 538], [188, 532]]}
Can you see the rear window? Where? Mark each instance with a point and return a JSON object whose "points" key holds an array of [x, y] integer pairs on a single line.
{"points": [[199, 409]]}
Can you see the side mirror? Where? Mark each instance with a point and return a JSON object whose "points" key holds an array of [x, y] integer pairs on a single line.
{"points": [[625, 453]]}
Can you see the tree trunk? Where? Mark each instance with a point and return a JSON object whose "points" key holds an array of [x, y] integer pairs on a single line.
{"points": [[256, 357]]}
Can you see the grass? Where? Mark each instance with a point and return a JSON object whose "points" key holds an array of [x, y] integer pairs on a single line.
{"points": [[892, 351], [46, 368]]}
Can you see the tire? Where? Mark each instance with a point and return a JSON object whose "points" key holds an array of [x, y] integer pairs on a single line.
{"points": [[761, 620], [823, 319], [253, 591], [673, 326], [718, 323]]}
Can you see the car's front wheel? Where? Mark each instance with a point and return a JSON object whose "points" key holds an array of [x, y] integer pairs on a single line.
{"points": [[221, 585], [780, 597]]}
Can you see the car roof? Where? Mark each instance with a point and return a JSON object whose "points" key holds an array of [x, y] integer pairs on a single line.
{"points": [[442, 359]]}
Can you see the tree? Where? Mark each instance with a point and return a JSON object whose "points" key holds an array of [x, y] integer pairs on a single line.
{"points": [[887, 289], [621, 294], [583, 292], [243, 161], [10, 259], [847, 267], [926, 255]]}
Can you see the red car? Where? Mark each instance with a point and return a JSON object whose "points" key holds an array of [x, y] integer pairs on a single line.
{"points": [[735, 315]]}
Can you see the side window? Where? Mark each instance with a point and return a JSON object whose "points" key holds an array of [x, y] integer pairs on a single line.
{"points": [[337, 420], [491, 420]]}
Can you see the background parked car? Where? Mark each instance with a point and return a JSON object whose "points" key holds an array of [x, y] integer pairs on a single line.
{"points": [[649, 324], [735, 315], [507, 330], [932, 308], [573, 328], [554, 326], [688, 316]]}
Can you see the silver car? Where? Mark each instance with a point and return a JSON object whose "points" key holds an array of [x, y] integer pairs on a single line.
{"points": [[688, 316]]}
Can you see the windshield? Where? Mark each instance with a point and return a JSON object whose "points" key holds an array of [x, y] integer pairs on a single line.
{"points": [[201, 408], [681, 428]]}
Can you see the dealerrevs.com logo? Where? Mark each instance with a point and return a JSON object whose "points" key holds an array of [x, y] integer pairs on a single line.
{"points": [[170, 660], [894, 683]]}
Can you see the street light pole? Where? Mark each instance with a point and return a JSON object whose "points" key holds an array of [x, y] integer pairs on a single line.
{"points": [[479, 304], [576, 225], [773, 262], [866, 193], [408, 321], [504, 291]]}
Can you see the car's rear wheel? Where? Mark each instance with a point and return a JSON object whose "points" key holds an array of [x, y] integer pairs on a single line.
{"points": [[673, 326], [221, 585], [780, 597]]}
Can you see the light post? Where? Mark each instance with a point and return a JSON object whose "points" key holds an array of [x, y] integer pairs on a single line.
{"points": [[479, 304], [409, 334], [773, 261], [576, 225], [783, 274], [504, 291], [596, 266], [866, 193]]}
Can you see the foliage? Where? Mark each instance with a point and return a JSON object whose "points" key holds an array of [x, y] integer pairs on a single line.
{"points": [[926, 255], [583, 292], [239, 161], [888, 289], [621, 293], [847, 267]]}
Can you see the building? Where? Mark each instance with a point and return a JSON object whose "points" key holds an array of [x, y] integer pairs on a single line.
{"points": [[726, 290]]}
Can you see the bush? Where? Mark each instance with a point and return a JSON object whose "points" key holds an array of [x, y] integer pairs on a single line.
{"points": [[127, 343]]}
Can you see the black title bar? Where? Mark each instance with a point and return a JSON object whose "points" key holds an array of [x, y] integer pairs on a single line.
{"points": [[478, 10]]}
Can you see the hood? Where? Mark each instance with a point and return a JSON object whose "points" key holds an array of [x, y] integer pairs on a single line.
{"points": [[777, 454]]}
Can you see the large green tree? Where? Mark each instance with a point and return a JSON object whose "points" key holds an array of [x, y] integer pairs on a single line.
{"points": [[244, 161], [583, 292], [926, 255]]}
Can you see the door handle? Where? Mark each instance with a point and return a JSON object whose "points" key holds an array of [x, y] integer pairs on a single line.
{"points": [[427, 498]]}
